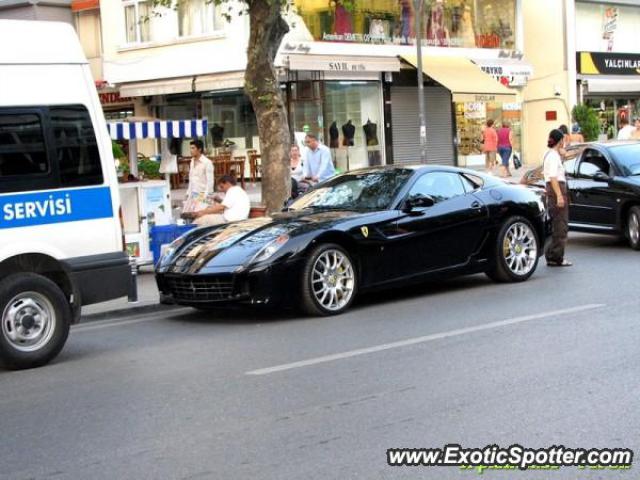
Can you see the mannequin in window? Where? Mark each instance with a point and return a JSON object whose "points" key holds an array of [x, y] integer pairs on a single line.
{"points": [[467, 34], [437, 32], [334, 136], [371, 133], [406, 19], [349, 131], [343, 23], [217, 135]]}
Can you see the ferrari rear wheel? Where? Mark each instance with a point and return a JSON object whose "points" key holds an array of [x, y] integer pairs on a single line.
{"points": [[633, 228], [328, 281], [516, 253]]}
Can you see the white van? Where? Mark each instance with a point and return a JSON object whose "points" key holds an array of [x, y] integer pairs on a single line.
{"points": [[61, 244]]}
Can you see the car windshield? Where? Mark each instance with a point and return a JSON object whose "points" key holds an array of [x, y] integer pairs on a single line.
{"points": [[373, 190], [628, 158]]}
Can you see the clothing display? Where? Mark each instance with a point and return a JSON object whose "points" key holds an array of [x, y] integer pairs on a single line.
{"points": [[349, 132], [467, 34], [406, 17], [343, 22], [371, 133], [437, 32], [334, 136], [217, 135], [378, 29]]}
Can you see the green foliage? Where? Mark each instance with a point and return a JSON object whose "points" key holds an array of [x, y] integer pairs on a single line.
{"points": [[117, 150], [587, 118], [149, 168]]}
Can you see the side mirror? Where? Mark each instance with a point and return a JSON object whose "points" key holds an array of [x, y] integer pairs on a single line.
{"points": [[421, 201], [601, 177]]}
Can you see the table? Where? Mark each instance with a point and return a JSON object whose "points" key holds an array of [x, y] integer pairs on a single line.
{"points": [[228, 166]]}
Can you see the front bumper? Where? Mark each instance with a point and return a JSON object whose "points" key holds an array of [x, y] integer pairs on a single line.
{"points": [[270, 285]]}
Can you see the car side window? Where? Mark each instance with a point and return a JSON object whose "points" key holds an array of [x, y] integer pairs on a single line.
{"points": [[75, 146], [440, 186], [591, 163], [570, 167]]}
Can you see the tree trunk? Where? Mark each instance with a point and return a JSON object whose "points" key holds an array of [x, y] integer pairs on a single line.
{"points": [[261, 85]]}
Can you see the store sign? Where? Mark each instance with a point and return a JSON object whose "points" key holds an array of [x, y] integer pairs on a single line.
{"points": [[113, 98], [343, 64], [593, 63], [475, 111], [511, 75]]}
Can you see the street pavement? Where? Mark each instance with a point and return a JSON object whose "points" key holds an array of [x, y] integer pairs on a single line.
{"points": [[245, 394]]}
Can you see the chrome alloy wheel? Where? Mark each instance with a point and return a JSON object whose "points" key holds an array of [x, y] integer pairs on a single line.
{"points": [[520, 249], [634, 227], [332, 280], [28, 321]]}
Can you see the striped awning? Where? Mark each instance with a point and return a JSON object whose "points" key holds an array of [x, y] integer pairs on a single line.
{"points": [[157, 129]]}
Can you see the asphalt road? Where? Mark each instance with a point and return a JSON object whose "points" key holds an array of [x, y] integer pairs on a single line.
{"points": [[244, 395]]}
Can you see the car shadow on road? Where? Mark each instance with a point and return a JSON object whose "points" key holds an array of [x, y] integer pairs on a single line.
{"points": [[588, 240]]}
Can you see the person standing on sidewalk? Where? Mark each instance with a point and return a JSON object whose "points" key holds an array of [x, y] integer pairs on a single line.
{"points": [[505, 147], [489, 145], [200, 174], [557, 200]]}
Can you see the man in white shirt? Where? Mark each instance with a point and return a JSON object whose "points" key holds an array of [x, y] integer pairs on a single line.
{"points": [[233, 208], [626, 130], [318, 165], [200, 173]]}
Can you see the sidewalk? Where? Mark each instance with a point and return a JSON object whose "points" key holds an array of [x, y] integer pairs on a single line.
{"points": [[148, 296]]}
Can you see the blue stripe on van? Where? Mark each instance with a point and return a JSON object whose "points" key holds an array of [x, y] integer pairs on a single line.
{"points": [[59, 206]]}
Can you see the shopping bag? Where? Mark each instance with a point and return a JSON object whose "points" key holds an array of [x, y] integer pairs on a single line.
{"points": [[517, 163]]}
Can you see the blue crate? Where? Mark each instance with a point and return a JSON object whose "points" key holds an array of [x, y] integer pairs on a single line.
{"points": [[160, 235]]}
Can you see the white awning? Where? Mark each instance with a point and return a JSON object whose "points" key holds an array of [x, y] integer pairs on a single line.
{"points": [[157, 87], [198, 83], [617, 85], [346, 64]]}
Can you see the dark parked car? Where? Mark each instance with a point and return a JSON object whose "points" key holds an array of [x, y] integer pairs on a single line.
{"points": [[359, 231], [604, 188]]}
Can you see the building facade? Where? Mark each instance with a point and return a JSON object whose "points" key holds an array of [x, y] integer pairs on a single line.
{"points": [[49, 10], [608, 60]]}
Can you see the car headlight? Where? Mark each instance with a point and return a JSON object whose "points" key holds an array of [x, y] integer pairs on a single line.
{"points": [[271, 248], [172, 249]]}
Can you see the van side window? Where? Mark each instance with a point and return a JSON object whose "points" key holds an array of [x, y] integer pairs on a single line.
{"points": [[23, 151], [75, 146]]}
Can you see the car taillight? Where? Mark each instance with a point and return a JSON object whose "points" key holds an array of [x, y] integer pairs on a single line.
{"points": [[121, 217]]}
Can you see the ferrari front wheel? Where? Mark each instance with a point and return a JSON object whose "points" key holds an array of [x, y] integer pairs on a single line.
{"points": [[329, 281]]}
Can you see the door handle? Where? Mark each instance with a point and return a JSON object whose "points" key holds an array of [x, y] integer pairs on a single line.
{"points": [[476, 205]]}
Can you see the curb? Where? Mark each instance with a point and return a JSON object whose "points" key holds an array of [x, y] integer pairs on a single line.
{"points": [[127, 312]]}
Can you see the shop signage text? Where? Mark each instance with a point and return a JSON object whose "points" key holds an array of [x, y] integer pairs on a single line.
{"points": [[347, 67], [300, 47], [594, 63], [112, 98]]}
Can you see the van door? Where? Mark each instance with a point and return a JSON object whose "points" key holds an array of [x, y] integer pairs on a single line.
{"points": [[54, 198]]}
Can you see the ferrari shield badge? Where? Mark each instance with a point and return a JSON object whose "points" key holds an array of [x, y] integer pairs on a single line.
{"points": [[365, 231]]}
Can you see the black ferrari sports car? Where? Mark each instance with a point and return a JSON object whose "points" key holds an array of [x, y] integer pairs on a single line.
{"points": [[359, 231], [603, 180]]}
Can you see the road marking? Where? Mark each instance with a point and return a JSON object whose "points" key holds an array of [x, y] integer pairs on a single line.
{"points": [[418, 340], [102, 324]]}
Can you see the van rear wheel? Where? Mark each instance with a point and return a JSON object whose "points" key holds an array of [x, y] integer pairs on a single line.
{"points": [[35, 320]]}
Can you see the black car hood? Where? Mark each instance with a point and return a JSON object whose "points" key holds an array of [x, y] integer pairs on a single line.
{"points": [[237, 243]]}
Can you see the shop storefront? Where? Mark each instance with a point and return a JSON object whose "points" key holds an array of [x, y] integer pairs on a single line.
{"points": [[340, 99], [473, 72], [447, 23], [608, 62]]}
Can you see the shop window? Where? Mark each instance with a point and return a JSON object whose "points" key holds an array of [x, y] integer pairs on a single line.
{"points": [[75, 146], [198, 17], [23, 151], [137, 19], [232, 121], [446, 23]]}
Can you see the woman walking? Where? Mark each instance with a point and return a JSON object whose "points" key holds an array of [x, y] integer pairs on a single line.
{"points": [[505, 147], [557, 200], [489, 145]]}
